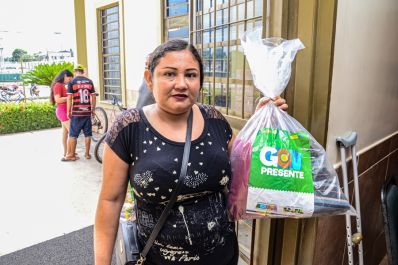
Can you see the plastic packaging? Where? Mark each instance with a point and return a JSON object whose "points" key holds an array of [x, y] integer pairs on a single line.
{"points": [[128, 209], [278, 168]]}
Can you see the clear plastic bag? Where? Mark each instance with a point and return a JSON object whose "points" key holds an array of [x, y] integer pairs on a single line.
{"points": [[278, 168]]}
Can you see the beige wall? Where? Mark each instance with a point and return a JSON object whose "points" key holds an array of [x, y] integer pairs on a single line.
{"points": [[364, 96], [92, 41], [142, 33]]}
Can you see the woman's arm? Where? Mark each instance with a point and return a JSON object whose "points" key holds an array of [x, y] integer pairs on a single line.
{"points": [[58, 89], [58, 99], [69, 106], [110, 202]]}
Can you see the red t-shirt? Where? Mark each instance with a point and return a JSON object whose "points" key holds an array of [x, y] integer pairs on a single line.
{"points": [[60, 90]]}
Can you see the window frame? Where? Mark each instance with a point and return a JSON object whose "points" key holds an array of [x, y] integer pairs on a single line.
{"points": [[107, 77]]}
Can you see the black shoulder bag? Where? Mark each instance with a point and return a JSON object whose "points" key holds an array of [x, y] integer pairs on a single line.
{"points": [[127, 249]]}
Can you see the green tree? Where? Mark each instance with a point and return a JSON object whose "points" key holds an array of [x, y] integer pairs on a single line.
{"points": [[38, 57], [18, 54], [43, 74]]}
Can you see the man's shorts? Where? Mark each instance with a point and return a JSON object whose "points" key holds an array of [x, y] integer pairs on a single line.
{"points": [[80, 123]]}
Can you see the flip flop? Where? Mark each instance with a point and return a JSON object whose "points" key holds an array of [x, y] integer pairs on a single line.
{"points": [[87, 156], [76, 156], [68, 159]]}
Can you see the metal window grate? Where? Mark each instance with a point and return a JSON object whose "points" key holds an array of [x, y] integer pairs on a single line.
{"points": [[176, 19], [216, 31], [110, 48]]}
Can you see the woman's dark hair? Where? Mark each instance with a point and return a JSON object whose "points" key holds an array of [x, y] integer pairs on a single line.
{"points": [[58, 79], [173, 46]]}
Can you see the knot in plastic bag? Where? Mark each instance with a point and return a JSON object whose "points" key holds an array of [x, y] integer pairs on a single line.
{"points": [[270, 61]]}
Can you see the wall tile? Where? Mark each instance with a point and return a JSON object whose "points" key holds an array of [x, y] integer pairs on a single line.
{"points": [[393, 165], [394, 143], [372, 156], [371, 215], [384, 261], [330, 246], [330, 240], [377, 253]]}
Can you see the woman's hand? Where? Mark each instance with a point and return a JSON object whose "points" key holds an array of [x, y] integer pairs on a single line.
{"points": [[278, 101]]}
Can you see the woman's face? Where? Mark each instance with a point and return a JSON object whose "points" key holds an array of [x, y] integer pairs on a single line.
{"points": [[175, 82], [67, 79]]}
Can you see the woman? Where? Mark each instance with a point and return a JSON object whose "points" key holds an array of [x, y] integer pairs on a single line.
{"points": [[58, 96], [151, 141]]}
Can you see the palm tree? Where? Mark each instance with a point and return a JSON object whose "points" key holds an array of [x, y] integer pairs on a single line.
{"points": [[43, 74]]}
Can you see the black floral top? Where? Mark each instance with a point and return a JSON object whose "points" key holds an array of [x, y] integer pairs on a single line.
{"points": [[197, 230]]}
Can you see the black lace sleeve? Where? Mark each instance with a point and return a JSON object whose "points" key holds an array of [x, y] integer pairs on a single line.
{"points": [[213, 113], [120, 137]]}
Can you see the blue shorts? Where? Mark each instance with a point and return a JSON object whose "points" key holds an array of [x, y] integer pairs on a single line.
{"points": [[80, 123]]}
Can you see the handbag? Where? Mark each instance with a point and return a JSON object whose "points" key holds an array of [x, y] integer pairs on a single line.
{"points": [[127, 248]]}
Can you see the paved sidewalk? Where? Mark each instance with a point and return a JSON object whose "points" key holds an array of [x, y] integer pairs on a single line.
{"points": [[41, 197], [47, 207], [74, 248]]}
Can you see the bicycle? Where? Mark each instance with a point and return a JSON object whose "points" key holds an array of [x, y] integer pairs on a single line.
{"points": [[11, 94], [99, 123], [3, 96], [99, 147]]}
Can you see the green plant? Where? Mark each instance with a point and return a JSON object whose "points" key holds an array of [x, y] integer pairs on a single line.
{"points": [[43, 74], [24, 117]]}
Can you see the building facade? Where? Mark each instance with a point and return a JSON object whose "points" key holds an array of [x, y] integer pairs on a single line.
{"points": [[344, 80]]}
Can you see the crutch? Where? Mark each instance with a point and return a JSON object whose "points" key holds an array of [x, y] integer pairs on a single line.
{"points": [[344, 143]]}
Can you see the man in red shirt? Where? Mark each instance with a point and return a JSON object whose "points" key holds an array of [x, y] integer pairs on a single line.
{"points": [[80, 107]]}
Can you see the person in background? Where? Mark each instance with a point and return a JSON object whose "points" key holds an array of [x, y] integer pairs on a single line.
{"points": [[58, 97], [34, 90], [145, 146], [80, 107], [145, 97]]}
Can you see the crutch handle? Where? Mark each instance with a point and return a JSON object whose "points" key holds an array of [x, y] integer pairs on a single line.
{"points": [[348, 140]]}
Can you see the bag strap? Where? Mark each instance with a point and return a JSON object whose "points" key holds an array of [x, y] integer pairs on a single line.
{"points": [[173, 198]]}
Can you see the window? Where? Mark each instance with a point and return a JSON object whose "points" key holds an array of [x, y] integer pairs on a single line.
{"points": [[217, 28], [110, 47], [216, 31], [176, 19]]}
